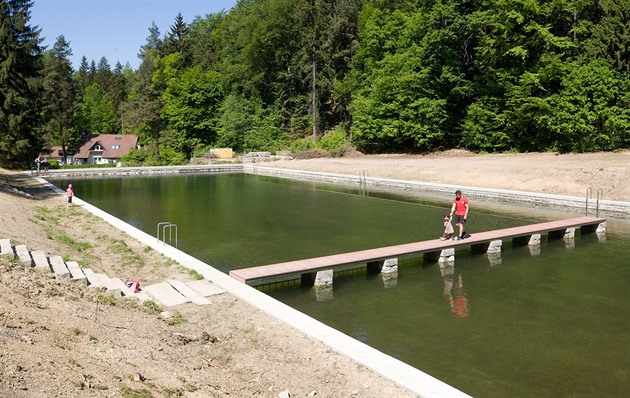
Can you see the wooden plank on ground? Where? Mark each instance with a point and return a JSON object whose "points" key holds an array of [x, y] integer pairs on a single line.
{"points": [[5, 248], [59, 266], [189, 293], [165, 294]]}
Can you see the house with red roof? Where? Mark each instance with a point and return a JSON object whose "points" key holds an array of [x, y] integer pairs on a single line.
{"points": [[97, 149]]}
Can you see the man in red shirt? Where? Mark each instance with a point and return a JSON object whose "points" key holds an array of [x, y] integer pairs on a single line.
{"points": [[460, 208]]}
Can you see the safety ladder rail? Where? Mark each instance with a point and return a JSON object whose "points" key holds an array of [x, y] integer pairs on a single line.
{"points": [[170, 226], [589, 195]]}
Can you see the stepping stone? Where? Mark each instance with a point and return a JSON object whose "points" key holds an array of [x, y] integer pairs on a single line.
{"points": [[165, 294], [205, 288], [76, 273], [5, 248], [23, 254], [94, 279], [114, 285], [188, 292], [59, 266], [40, 260]]}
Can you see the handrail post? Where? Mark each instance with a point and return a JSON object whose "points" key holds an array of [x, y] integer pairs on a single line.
{"points": [[600, 194], [589, 194], [158, 229]]}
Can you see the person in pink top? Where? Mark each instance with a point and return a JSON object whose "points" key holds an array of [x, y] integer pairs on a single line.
{"points": [[69, 194], [460, 208]]}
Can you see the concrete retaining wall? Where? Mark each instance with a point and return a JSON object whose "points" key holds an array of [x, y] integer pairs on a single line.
{"points": [[607, 208]]}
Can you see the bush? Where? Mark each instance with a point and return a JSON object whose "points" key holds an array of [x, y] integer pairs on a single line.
{"points": [[310, 154]]}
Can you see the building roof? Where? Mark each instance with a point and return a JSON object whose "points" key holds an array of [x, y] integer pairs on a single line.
{"points": [[114, 146]]}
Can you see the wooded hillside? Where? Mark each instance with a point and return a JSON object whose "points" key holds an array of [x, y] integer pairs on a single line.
{"points": [[379, 75]]}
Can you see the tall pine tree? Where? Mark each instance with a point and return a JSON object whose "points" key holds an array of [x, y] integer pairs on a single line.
{"points": [[20, 57], [60, 97]]}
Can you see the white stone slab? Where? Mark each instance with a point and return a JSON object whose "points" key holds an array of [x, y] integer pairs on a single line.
{"points": [[165, 294], [94, 279], [76, 273], [205, 288], [40, 260], [59, 266], [188, 292], [5, 248], [115, 285], [23, 254]]}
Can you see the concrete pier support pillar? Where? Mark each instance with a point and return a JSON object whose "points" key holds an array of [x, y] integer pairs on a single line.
{"points": [[390, 266], [601, 227], [495, 247], [569, 238], [324, 278], [534, 245], [569, 233], [601, 232], [387, 266], [494, 252], [534, 240], [447, 256]]}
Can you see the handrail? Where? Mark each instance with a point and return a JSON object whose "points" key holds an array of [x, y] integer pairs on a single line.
{"points": [[589, 195], [157, 234], [170, 226]]}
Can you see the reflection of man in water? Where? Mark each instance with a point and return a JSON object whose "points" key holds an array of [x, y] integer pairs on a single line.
{"points": [[459, 306], [457, 298]]}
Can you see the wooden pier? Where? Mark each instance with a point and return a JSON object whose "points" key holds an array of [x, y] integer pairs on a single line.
{"points": [[479, 242]]}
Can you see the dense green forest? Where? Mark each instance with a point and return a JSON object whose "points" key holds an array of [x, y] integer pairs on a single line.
{"points": [[376, 75]]}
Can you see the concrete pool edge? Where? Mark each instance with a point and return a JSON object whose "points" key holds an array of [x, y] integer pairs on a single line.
{"points": [[607, 208], [388, 367]]}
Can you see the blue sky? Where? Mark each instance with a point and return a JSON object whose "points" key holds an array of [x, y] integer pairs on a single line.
{"points": [[114, 29]]}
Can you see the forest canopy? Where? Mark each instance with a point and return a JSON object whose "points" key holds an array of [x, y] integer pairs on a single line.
{"points": [[377, 75]]}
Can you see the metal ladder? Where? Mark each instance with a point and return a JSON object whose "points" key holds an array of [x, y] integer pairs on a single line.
{"points": [[166, 225], [589, 196]]}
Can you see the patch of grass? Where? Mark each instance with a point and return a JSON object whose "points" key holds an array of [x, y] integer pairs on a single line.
{"points": [[107, 299], [131, 393], [77, 331], [147, 249], [152, 307], [177, 319], [93, 338], [79, 246], [195, 274], [118, 246], [46, 214], [74, 362], [132, 260]]}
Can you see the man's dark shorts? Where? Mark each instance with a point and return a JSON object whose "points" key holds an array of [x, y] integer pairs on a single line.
{"points": [[459, 219]]}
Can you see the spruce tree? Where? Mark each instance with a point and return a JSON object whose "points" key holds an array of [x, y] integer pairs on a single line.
{"points": [[60, 96], [20, 58]]}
